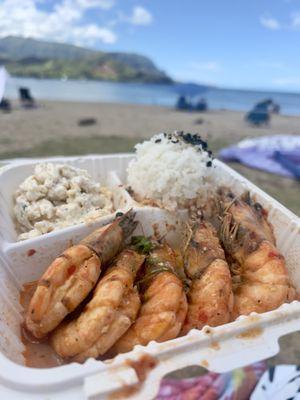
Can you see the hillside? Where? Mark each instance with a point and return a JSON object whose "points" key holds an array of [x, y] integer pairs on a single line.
{"points": [[39, 59]]}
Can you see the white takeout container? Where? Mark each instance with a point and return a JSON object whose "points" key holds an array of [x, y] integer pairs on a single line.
{"points": [[246, 340]]}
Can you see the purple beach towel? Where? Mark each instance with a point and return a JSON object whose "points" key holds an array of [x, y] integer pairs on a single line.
{"points": [[254, 382], [279, 154], [235, 385]]}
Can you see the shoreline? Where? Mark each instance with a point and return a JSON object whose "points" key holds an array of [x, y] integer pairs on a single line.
{"points": [[254, 90], [90, 91], [41, 102]]}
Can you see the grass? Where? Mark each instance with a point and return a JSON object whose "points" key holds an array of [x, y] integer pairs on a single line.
{"points": [[285, 190], [76, 146]]}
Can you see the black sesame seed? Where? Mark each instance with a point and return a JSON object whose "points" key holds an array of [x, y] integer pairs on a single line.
{"points": [[157, 140], [194, 140], [209, 164]]}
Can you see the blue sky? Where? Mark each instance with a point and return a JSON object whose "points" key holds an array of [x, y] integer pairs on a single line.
{"points": [[229, 43]]}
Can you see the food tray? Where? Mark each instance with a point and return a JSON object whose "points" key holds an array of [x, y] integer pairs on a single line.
{"points": [[248, 339]]}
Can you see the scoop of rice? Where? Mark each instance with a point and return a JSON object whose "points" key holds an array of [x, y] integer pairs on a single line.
{"points": [[170, 170]]}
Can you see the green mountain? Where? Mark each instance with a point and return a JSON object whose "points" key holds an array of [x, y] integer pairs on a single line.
{"points": [[39, 59]]}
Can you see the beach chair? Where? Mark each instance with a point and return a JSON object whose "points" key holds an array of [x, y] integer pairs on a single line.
{"points": [[26, 99], [258, 117], [201, 105], [183, 104], [260, 114]]}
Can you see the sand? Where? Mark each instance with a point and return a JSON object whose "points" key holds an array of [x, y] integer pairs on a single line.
{"points": [[24, 129]]}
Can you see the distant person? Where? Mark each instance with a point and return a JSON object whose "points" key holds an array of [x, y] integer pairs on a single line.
{"points": [[263, 105], [268, 105], [201, 105], [5, 105], [183, 104], [276, 108], [26, 99]]}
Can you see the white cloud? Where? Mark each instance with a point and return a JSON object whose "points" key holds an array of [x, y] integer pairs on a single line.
{"points": [[140, 16], [64, 23], [295, 17], [104, 4], [270, 23], [65, 11], [212, 66], [289, 81], [88, 34]]}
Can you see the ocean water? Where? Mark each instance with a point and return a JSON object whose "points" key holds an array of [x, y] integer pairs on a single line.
{"points": [[164, 95]]}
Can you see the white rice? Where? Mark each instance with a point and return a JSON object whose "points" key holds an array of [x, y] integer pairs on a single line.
{"points": [[169, 170]]}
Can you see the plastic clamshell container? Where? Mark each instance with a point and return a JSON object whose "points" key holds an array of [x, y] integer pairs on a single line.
{"points": [[220, 349]]}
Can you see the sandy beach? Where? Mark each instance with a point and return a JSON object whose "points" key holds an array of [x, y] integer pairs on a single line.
{"points": [[52, 129], [58, 121]]}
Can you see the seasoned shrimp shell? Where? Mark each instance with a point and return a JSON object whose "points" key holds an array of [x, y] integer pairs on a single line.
{"points": [[107, 316], [71, 276], [261, 280], [210, 298], [164, 304]]}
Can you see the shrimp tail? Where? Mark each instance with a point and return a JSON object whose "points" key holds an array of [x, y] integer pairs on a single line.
{"points": [[108, 240], [127, 222]]}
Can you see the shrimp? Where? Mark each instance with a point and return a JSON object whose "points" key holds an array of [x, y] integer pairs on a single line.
{"points": [[210, 298], [72, 275], [261, 281], [164, 304], [107, 316]]}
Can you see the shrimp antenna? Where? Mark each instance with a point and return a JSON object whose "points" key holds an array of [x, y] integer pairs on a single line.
{"points": [[162, 237], [189, 236], [139, 224], [230, 204]]}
